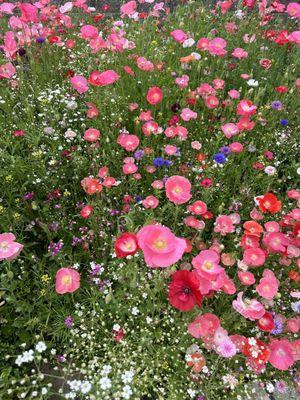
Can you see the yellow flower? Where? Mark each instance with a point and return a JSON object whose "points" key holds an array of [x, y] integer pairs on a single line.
{"points": [[2, 209], [45, 278], [8, 178], [16, 215]]}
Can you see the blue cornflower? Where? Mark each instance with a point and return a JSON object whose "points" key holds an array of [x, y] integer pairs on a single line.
{"points": [[40, 39], [278, 327], [284, 122], [167, 163], [220, 158], [158, 162]]}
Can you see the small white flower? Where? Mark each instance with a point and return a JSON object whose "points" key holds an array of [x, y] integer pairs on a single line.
{"points": [[252, 83], [270, 388], [105, 383], [85, 387], [40, 347], [127, 392], [135, 311], [188, 43], [191, 393]]}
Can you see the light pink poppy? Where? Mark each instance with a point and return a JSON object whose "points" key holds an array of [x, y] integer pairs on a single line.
{"points": [[230, 130], [247, 278], [88, 32], [198, 207], [178, 189], [239, 53], [144, 64], [178, 35], [248, 308], [67, 280], [204, 325], [187, 114], [7, 70], [161, 248], [91, 135], [226, 348], [9, 249], [281, 356], [224, 225], [128, 8], [272, 226], [170, 150], [254, 257], [293, 325], [154, 95], [236, 147], [157, 184], [79, 83], [92, 111], [128, 142], [10, 45], [234, 94], [293, 9], [207, 264], [150, 202], [109, 181]]}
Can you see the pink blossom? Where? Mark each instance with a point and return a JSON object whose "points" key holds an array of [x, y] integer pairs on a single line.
{"points": [[7, 70], [247, 278], [9, 249], [217, 47], [7, 8], [276, 242], [251, 309], [246, 108], [103, 78], [178, 35], [88, 32], [129, 168], [128, 142], [239, 53], [236, 147], [178, 189], [91, 135], [150, 202], [161, 248], [211, 102], [207, 264], [67, 280], [182, 81], [79, 83], [281, 356], [29, 12], [194, 223], [128, 8], [254, 257], [224, 225], [227, 348], [268, 285], [203, 44], [170, 150], [198, 207], [293, 9], [230, 130], [234, 94], [154, 95], [204, 325], [187, 114]]}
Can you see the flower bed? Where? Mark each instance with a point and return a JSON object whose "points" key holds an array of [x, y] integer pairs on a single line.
{"points": [[149, 208]]}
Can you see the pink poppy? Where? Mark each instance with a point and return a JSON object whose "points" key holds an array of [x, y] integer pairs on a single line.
{"points": [[247, 278], [204, 325], [226, 348], [128, 8], [161, 248], [29, 12], [178, 35], [7, 8], [239, 53], [207, 264], [217, 47], [182, 81], [150, 127], [236, 147], [224, 225], [154, 95], [10, 45], [246, 108], [109, 182], [198, 207], [108, 77], [203, 44], [249, 308], [67, 280], [254, 257], [272, 226], [230, 130], [293, 9], [128, 142], [211, 102], [88, 32], [187, 114], [281, 356], [178, 189], [126, 244], [91, 185], [129, 168], [157, 184], [268, 285], [79, 83], [150, 202], [194, 223], [9, 249], [144, 64], [293, 325], [234, 94], [276, 242], [92, 111], [7, 70], [86, 211], [170, 150], [91, 135]]}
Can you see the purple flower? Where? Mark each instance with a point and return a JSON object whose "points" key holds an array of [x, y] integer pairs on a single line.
{"points": [[69, 321], [277, 105]]}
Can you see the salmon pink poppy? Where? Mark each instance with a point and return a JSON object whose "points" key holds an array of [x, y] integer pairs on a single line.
{"points": [[246, 108], [253, 228], [254, 257], [204, 325], [92, 111], [211, 102], [86, 211], [7, 70], [224, 225], [67, 280], [178, 189], [187, 114], [108, 77], [126, 244], [239, 53], [161, 248], [247, 278], [268, 285], [91, 135], [198, 207], [276, 242], [184, 291], [150, 202], [9, 249], [29, 12], [217, 47], [281, 354], [91, 185], [128, 142], [154, 95]]}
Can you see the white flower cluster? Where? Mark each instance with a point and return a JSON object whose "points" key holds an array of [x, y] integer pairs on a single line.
{"points": [[28, 355], [78, 386]]}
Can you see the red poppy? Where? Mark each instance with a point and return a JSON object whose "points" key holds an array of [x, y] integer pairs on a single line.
{"points": [[266, 323], [184, 291], [281, 89], [126, 245], [269, 203]]}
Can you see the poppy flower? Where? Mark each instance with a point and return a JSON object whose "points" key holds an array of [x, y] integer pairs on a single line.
{"points": [[266, 322], [269, 203], [126, 244], [281, 356], [184, 291]]}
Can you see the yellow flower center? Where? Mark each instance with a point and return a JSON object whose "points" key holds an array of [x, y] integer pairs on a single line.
{"points": [[67, 280], [160, 244], [208, 265]]}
